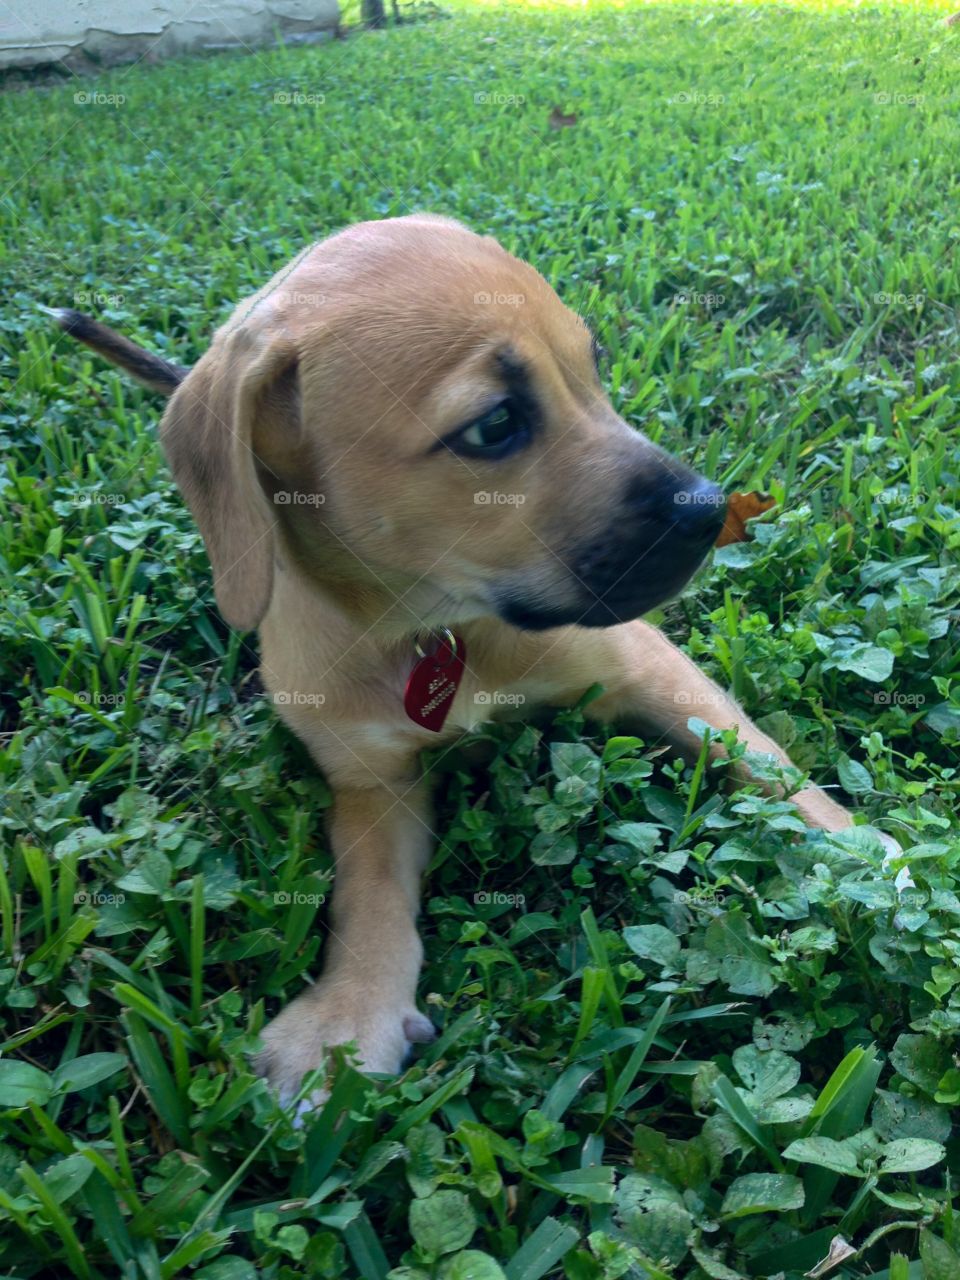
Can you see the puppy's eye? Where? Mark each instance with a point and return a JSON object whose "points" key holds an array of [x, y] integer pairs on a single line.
{"points": [[500, 431]]}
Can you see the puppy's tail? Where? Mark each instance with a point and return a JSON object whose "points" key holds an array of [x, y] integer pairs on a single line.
{"points": [[153, 371]]}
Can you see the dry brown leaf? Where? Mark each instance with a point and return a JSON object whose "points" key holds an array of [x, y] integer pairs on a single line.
{"points": [[840, 1250], [559, 121], [742, 507]]}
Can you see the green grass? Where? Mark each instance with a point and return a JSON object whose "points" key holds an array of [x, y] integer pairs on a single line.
{"points": [[701, 1046]]}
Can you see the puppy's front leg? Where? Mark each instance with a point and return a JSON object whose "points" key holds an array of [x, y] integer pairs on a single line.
{"points": [[650, 680], [381, 842]]}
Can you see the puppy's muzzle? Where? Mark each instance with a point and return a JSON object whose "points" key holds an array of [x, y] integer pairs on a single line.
{"points": [[659, 540], [658, 535]]}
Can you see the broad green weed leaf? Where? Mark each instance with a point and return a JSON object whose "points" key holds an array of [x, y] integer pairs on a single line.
{"points": [[762, 1193]]}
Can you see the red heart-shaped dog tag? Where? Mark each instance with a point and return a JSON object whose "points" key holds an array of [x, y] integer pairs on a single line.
{"points": [[434, 681]]}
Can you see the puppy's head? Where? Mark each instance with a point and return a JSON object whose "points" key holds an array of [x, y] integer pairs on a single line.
{"points": [[414, 418]]}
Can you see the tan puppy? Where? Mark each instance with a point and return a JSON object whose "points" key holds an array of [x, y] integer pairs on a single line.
{"points": [[403, 433]]}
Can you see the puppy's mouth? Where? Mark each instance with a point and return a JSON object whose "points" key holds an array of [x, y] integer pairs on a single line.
{"points": [[644, 559]]}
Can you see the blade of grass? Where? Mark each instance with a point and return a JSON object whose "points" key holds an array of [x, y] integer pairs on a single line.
{"points": [[58, 1221]]}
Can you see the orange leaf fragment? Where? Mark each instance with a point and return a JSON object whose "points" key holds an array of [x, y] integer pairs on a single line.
{"points": [[742, 507]]}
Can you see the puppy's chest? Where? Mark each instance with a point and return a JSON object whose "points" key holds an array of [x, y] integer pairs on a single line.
{"points": [[348, 701]]}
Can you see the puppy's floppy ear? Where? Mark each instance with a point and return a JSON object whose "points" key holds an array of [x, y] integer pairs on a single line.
{"points": [[210, 434]]}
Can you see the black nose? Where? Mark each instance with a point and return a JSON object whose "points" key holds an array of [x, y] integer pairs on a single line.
{"points": [[676, 504], [698, 510]]}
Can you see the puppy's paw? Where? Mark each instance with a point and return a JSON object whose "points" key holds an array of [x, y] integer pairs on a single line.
{"points": [[892, 848], [820, 813], [327, 1015]]}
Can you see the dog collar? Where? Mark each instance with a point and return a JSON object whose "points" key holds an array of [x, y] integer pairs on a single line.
{"points": [[434, 680]]}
